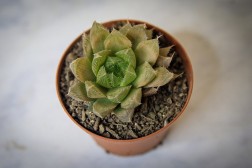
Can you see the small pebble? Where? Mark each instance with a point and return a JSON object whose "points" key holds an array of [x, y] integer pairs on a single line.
{"points": [[96, 124], [112, 132], [101, 129]]}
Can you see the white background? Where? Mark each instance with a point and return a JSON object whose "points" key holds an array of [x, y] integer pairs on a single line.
{"points": [[215, 130]]}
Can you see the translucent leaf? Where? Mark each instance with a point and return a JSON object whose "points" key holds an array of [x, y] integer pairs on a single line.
{"points": [[107, 80], [149, 33], [86, 45], [103, 107], [129, 76], [133, 99], [163, 76], [116, 41], [128, 56], [124, 30], [116, 65], [136, 34], [124, 115], [98, 34], [149, 91], [165, 51], [145, 74], [117, 95], [102, 78], [164, 61], [81, 68], [147, 51], [78, 92], [99, 60], [94, 90], [141, 26], [114, 80]]}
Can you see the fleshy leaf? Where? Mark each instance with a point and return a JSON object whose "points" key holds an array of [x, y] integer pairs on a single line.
{"points": [[165, 51], [149, 91], [78, 92], [103, 107], [114, 80], [102, 78], [86, 45], [147, 51], [124, 30], [99, 60], [116, 65], [107, 80], [124, 115], [116, 41], [81, 68], [133, 99], [136, 34], [163, 76], [128, 56], [145, 74], [98, 34], [149, 33], [94, 90], [141, 26], [164, 61], [117, 95], [129, 76]]}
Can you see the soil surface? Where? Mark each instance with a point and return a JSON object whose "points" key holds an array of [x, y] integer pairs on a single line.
{"points": [[154, 113]]}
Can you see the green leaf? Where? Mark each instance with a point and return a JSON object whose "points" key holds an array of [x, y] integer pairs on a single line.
{"points": [[124, 115], [86, 45], [116, 65], [78, 92], [99, 60], [145, 74], [81, 68], [103, 107], [128, 56], [136, 34], [133, 99], [107, 80], [163, 76], [149, 33], [98, 34], [124, 30], [116, 41], [114, 80], [116, 95], [165, 51], [94, 90], [129, 76], [147, 51]]}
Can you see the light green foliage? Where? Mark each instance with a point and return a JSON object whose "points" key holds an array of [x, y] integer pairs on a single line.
{"points": [[116, 66]]}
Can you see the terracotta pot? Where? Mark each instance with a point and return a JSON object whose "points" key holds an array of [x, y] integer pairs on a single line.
{"points": [[139, 145]]}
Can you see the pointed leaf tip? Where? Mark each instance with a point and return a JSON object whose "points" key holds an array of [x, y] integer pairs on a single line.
{"points": [[163, 76], [124, 115], [103, 107], [78, 92], [81, 68], [116, 41], [133, 99], [98, 34], [147, 51]]}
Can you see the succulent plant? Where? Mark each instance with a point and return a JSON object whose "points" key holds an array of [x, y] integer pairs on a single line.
{"points": [[117, 68]]}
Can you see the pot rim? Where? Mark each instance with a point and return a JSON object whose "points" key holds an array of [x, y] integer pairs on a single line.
{"points": [[171, 38]]}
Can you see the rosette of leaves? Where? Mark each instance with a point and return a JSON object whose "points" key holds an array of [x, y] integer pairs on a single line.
{"points": [[115, 68]]}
